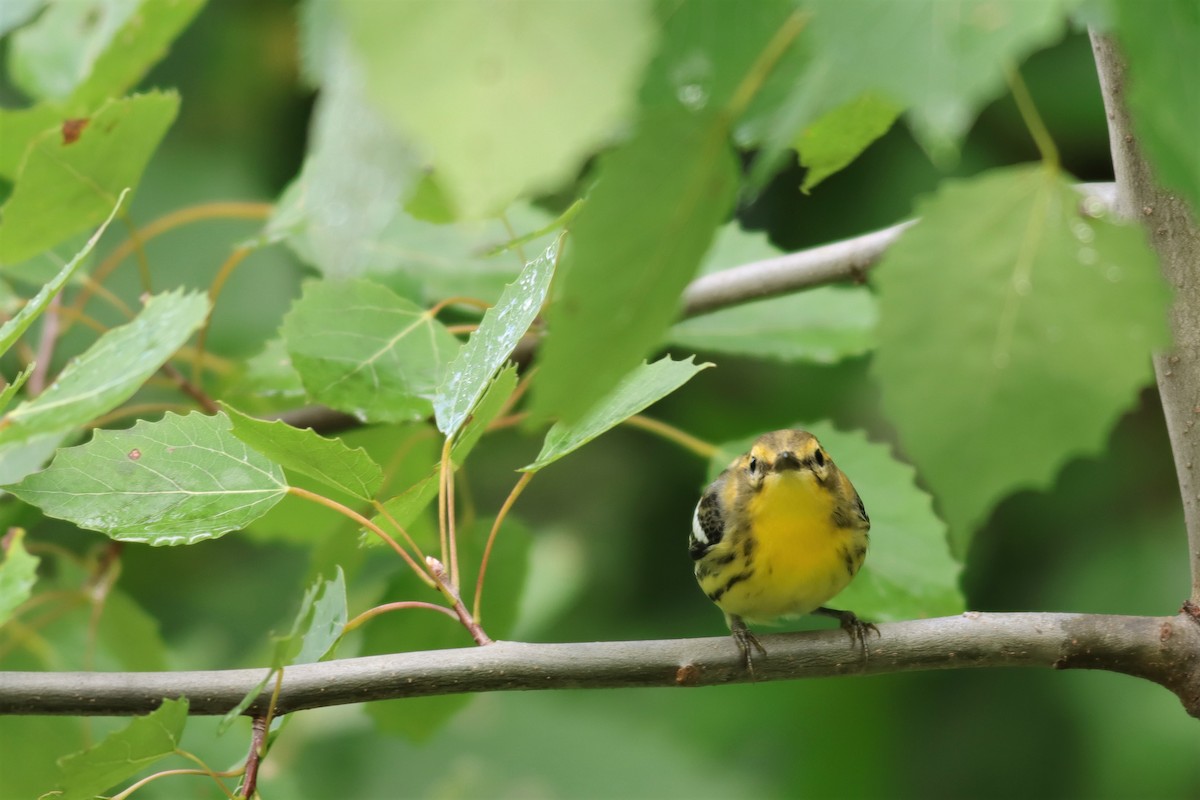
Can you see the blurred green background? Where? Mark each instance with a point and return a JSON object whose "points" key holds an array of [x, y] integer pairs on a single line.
{"points": [[611, 524]]}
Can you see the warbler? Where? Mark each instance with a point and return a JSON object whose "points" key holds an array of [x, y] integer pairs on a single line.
{"points": [[777, 534]]}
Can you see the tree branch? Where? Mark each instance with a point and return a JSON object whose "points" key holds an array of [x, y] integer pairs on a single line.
{"points": [[1175, 237], [1165, 650]]}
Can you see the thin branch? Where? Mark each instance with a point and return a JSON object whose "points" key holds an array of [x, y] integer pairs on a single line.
{"points": [[1174, 234], [1165, 650]]}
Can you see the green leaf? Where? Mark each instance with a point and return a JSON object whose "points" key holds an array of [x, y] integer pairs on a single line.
{"points": [[176, 481], [317, 625], [429, 203], [363, 349], [832, 142], [18, 573], [112, 369], [270, 373], [1030, 283], [18, 459], [418, 718], [355, 175], [561, 76], [10, 391], [503, 325], [305, 451], [89, 50], [909, 572], [1161, 47], [125, 753], [139, 44], [322, 626], [707, 50], [653, 212], [65, 185], [315, 631], [943, 60], [16, 13], [639, 389], [21, 126], [405, 507], [15, 327], [821, 325]]}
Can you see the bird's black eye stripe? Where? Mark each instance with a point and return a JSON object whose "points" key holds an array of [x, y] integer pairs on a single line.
{"points": [[819, 457]]}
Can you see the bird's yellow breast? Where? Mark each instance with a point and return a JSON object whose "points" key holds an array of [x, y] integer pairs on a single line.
{"points": [[794, 557]]}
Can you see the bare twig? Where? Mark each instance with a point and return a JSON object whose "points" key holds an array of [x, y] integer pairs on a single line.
{"points": [[1175, 237], [1165, 650]]}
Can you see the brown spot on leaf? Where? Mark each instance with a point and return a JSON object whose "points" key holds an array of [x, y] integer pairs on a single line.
{"points": [[72, 128], [135, 454]]}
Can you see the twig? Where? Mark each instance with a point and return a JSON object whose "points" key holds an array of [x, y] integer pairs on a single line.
{"points": [[1175, 236], [1165, 650]]}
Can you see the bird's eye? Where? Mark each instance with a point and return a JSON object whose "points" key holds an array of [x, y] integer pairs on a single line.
{"points": [[819, 457], [752, 467]]}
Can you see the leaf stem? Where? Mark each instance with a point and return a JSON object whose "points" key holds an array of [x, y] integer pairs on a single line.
{"points": [[361, 520], [214, 292], [1033, 121], [563, 220], [765, 63], [458, 300], [139, 249], [673, 434], [446, 510], [519, 487], [167, 222], [399, 606], [450, 592]]}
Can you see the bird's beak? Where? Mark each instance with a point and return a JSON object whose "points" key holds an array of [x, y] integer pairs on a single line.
{"points": [[786, 460]]}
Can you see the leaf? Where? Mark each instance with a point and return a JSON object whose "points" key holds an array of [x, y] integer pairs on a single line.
{"points": [[1036, 284], [65, 186], [840, 136], [141, 43], [418, 718], [363, 349], [18, 459], [639, 389], [909, 572], [943, 60], [12, 330], [653, 212], [270, 373], [112, 369], [10, 391], [1161, 47], [561, 76], [822, 325], [305, 451], [317, 625], [356, 172], [21, 126], [315, 630], [707, 50], [405, 507], [176, 481], [321, 628], [503, 325], [88, 51], [18, 573], [124, 753]]}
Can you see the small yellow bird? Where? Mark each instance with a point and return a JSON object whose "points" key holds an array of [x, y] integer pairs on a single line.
{"points": [[777, 534]]}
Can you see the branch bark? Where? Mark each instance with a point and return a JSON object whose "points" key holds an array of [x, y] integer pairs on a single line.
{"points": [[1165, 650], [1175, 237]]}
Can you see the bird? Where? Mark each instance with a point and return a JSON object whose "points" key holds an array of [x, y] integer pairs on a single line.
{"points": [[778, 534]]}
